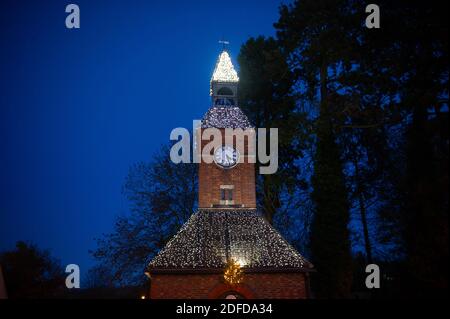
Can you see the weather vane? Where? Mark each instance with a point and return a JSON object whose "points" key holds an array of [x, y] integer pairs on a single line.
{"points": [[224, 43]]}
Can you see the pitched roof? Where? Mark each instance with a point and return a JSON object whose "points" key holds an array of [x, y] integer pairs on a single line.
{"points": [[210, 238], [224, 70], [225, 117]]}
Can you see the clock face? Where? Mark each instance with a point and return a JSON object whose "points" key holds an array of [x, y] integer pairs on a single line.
{"points": [[226, 156]]}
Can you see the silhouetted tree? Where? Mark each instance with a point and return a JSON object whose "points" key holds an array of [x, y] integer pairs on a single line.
{"points": [[385, 93], [162, 196], [30, 272], [265, 95], [318, 49]]}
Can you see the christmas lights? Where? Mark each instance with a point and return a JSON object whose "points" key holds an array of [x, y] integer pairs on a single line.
{"points": [[228, 240], [209, 239], [225, 117], [233, 273], [224, 70]]}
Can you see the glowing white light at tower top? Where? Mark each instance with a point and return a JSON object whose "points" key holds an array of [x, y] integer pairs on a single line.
{"points": [[224, 71]]}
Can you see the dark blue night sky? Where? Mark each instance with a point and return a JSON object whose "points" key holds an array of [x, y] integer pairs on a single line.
{"points": [[78, 107]]}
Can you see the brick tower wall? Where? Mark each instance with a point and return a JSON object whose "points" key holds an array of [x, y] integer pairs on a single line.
{"points": [[242, 176]]}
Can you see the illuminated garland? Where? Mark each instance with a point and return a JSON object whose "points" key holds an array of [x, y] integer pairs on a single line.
{"points": [[225, 117], [210, 238], [233, 273], [224, 71]]}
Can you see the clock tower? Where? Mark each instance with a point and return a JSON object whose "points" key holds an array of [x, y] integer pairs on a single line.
{"points": [[227, 249], [226, 172]]}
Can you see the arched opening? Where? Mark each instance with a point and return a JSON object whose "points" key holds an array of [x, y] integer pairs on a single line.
{"points": [[231, 295], [225, 91], [225, 291]]}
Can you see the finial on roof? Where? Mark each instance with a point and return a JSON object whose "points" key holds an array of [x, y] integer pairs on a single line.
{"points": [[224, 44]]}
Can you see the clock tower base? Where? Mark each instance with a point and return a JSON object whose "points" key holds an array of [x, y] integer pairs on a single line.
{"points": [[211, 286]]}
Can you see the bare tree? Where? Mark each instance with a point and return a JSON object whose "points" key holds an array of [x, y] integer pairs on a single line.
{"points": [[162, 195]]}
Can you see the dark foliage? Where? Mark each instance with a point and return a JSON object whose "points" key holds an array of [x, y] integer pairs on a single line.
{"points": [[385, 93], [30, 272], [162, 196]]}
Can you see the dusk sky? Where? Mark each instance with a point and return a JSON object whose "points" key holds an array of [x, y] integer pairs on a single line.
{"points": [[79, 106]]}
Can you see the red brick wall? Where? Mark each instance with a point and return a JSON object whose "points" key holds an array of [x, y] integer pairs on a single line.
{"points": [[242, 176], [203, 286]]}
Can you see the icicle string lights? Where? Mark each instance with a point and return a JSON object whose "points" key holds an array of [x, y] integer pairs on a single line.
{"points": [[224, 71], [225, 117], [201, 243]]}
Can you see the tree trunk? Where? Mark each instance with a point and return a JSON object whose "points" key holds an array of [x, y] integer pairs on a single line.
{"points": [[363, 212]]}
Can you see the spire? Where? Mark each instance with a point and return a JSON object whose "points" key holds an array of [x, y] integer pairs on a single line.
{"points": [[224, 71]]}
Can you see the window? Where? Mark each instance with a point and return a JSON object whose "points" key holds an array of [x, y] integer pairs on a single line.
{"points": [[222, 194], [226, 194]]}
